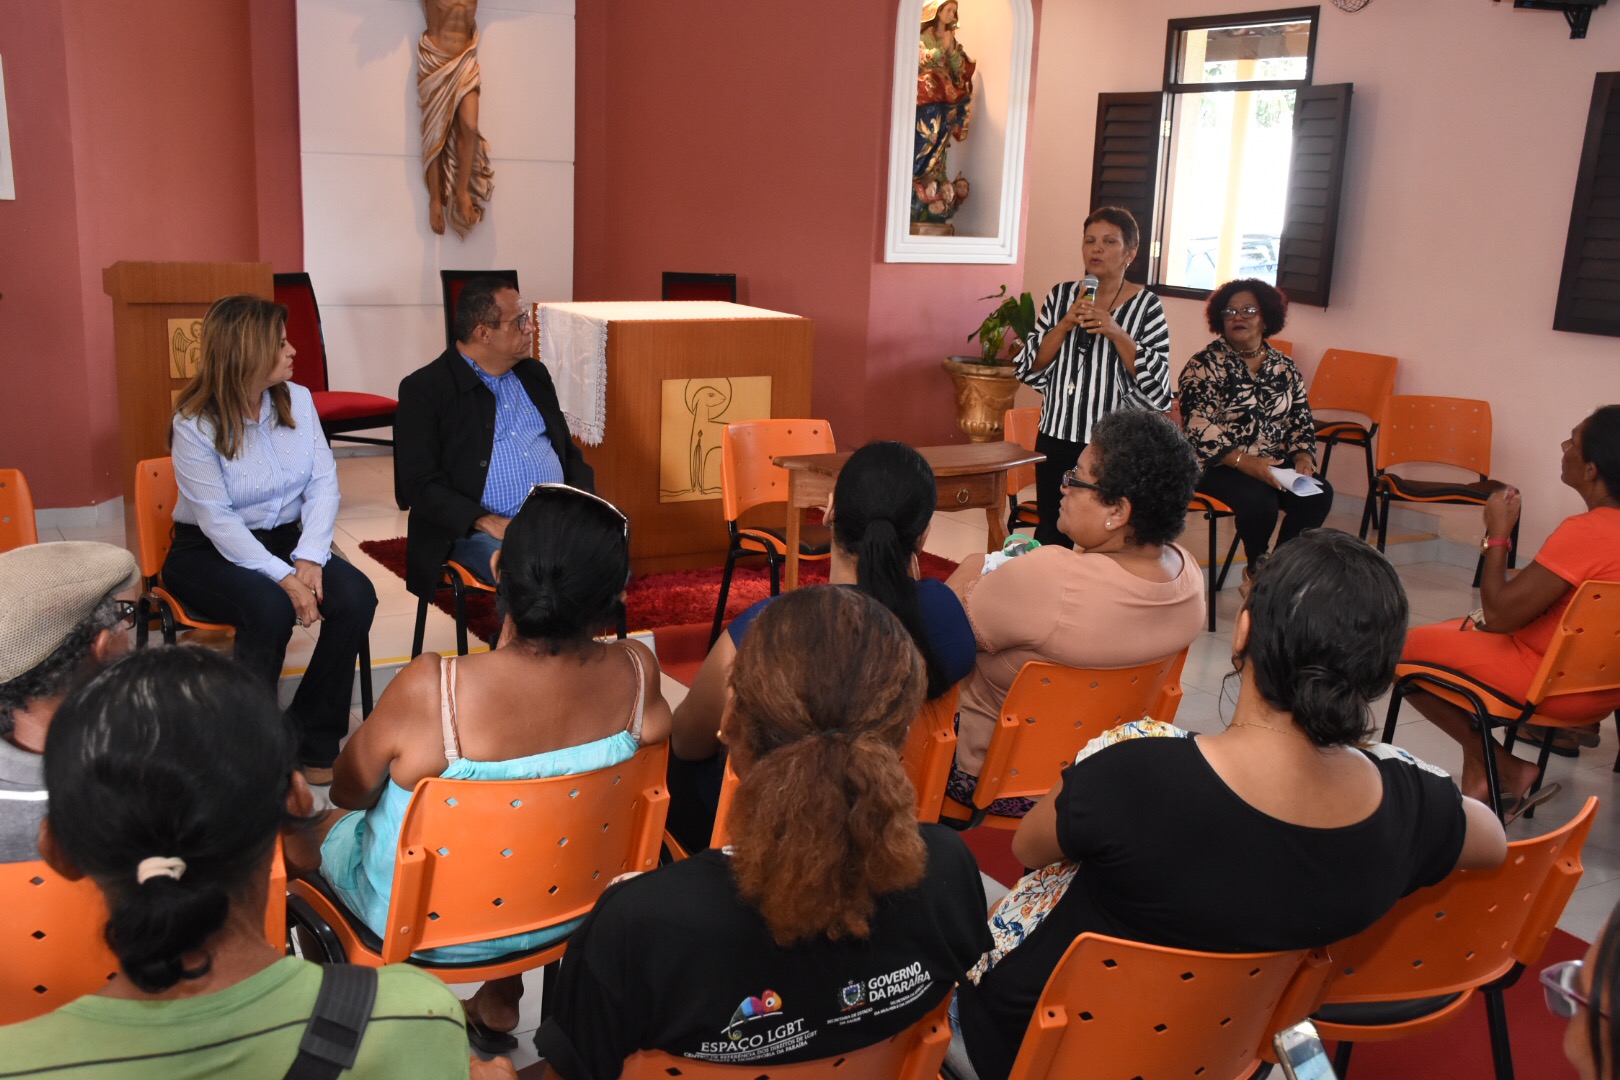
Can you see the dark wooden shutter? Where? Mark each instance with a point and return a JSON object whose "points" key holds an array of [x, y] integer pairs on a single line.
{"points": [[1589, 290], [1311, 218], [1125, 164]]}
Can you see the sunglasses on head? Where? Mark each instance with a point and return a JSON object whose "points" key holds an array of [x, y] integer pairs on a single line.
{"points": [[569, 489], [1558, 986]]}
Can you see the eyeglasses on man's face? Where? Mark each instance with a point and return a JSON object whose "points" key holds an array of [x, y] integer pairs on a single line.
{"points": [[522, 320], [1233, 312], [1558, 985], [1071, 479], [127, 610]]}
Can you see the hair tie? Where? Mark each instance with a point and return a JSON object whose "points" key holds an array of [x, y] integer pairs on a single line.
{"points": [[159, 866]]}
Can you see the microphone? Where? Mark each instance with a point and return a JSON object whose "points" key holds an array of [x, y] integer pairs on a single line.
{"points": [[1088, 288]]}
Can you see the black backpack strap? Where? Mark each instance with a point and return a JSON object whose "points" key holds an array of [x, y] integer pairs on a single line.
{"points": [[342, 1009]]}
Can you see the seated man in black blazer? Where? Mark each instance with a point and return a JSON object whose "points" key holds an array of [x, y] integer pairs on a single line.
{"points": [[475, 430]]}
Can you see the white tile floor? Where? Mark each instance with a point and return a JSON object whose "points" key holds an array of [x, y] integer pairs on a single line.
{"points": [[1436, 591]]}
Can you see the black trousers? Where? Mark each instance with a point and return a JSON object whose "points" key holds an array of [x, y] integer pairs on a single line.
{"points": [[1061, 456], [1257, 505], [214, 588]]}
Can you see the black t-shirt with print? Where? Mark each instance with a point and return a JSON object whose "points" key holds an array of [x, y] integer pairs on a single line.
{"points": [[676, 961]]}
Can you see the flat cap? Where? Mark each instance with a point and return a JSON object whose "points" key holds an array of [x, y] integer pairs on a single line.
{"points": [[48, 589]]}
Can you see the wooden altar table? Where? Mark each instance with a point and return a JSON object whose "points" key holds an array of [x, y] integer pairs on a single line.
{"points": [[968, 477]]}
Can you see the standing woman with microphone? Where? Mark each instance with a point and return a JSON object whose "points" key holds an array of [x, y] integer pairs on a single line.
{"points": [[1099, 344]]}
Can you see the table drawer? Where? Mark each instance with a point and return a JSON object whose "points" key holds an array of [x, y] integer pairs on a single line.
{"points": [[966, 492]]}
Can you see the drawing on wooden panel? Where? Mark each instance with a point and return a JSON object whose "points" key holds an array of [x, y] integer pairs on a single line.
{"points": [[695, 412], [185, 347]]}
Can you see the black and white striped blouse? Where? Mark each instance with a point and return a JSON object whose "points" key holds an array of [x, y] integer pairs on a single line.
{"points": [[1088, 379]]}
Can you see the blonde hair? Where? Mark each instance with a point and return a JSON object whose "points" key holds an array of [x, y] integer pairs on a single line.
{"points": [[241, 344]]}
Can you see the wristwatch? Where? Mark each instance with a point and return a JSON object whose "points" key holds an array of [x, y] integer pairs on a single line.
{"points": [[1487, 543]]}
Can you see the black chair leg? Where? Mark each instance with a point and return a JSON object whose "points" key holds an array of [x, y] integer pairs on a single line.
{"points": [[1372, 488], [1213, 588], [1493, 781], [725, 591], [1501, 1047], [459, 591], [1226, 566], [1383, 521], [1341, 1059], [1396, 696], [421, 627], [143, 630], [365, 677], [1327, 453], [776, 574]]}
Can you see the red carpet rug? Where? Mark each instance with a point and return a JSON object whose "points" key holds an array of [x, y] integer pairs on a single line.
{"points": [[652, 601]]}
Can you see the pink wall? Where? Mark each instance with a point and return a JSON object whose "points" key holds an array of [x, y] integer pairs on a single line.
{"points": [[1466, 130], [132, 141], [773, 168]]}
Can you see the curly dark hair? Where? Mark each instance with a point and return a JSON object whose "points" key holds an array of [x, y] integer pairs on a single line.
{"points": [[1143, 457], [55, 674], [1272, 302]]}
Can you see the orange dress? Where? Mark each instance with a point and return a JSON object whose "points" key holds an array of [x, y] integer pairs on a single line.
{"points": [[1585, 547]]}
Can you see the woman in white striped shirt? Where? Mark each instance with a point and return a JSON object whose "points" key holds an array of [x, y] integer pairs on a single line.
{"points": [[1090, 355]]}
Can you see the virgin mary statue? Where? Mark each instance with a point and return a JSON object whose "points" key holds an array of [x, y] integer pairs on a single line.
{"points": [[944, 106]]}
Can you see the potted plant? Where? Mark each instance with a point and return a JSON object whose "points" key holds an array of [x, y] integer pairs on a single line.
{"points": [[985, 384]]}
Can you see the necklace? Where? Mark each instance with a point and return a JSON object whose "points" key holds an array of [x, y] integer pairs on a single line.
{"points": [[1256, 351], [1274, 731]]}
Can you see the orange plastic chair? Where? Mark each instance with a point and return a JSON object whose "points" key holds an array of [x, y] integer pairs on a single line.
{"points": [[1021, 426], [460, 581], [55, 952], [914, 1054], [1357, 382], [1051, 712], [1282, 346], [1117, 1008], [1477, 930], [748, 479], [482, 859], [1583, 657], [155, 496], [17, 527], [1445, 430]]}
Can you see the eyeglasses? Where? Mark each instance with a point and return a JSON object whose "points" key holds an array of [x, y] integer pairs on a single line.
{"points": [[1071, 479], [1558, 984], [127, 611], [1234, 312], [569, 489], [522, 321]]}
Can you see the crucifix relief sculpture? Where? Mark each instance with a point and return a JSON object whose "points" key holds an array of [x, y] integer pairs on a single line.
{"points": [[455, 157]]}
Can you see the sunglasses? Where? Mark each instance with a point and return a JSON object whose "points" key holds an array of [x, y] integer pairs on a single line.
{"points": [[569, 489], [1071, 479], [1558, 985]]}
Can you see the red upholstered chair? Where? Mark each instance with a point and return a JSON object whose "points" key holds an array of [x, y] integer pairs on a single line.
{"points": [[340, 410], [451, 282], [683, 286]]}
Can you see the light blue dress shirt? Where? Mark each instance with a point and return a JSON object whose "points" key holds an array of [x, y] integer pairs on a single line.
{"points": [[280, 475], [521, 455]]}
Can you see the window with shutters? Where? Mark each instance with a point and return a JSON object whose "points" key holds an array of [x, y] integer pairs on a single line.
{"points": [[1233, 169], [1589, 289]]}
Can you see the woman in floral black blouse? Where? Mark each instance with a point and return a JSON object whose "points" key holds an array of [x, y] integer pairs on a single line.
{"points": [[1243, 405]]}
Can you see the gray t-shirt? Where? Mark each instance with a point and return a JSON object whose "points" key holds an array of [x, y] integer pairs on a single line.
{"points": [[22, 803]]}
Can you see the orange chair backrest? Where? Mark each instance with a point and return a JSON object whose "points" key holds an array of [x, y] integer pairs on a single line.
{"points": [[17, 527], [747, 477], [1353, 382], [1584, 654], [1451, 431], [928, 751], [1121, 1008], [915, 1054], [1468, 929], [54, 949], [1021, 426], [155, 496], [480, 859], [926, 755], [1282, 345], [1052, 711]]}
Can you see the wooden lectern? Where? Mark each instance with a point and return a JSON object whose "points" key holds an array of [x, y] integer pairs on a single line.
{"points": [[146, 296]]}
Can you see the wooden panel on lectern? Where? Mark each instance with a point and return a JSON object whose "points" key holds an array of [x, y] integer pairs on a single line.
{"points": [[146, 296], [641, 355]]}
